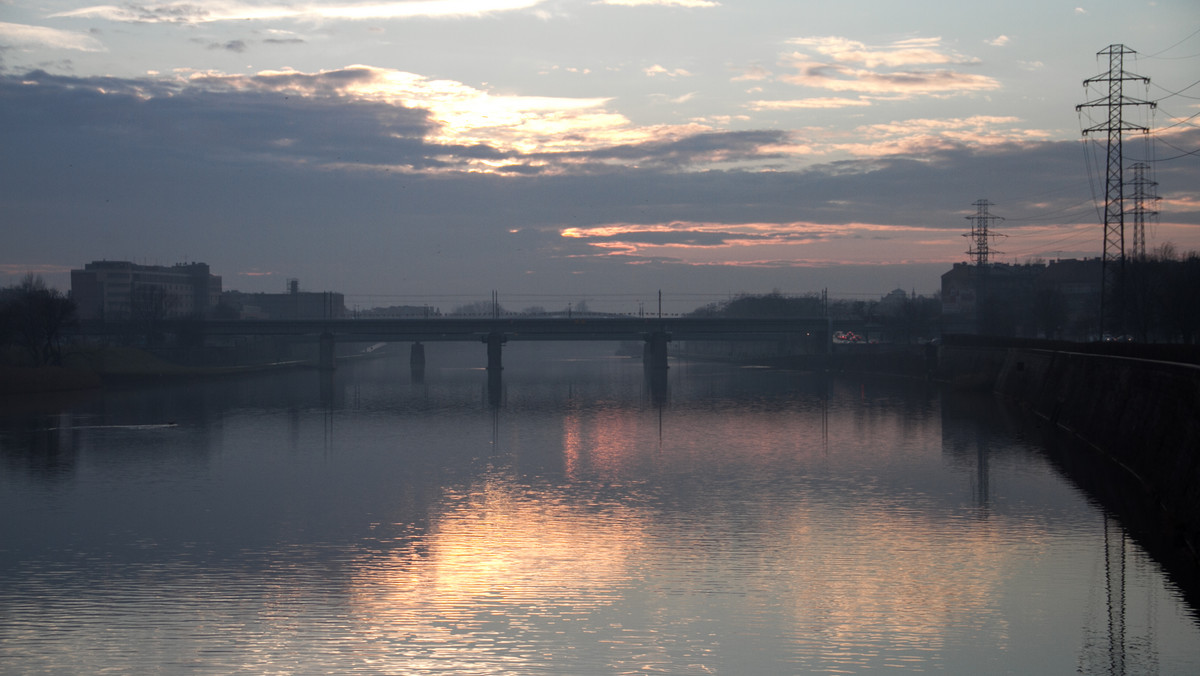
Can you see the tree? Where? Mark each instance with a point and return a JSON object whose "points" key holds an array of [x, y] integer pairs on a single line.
{"points": [[771, 305], [35, 318], [479, 308]]}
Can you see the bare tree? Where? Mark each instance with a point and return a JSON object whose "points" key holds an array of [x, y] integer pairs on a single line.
{"points": [[35, 318]]}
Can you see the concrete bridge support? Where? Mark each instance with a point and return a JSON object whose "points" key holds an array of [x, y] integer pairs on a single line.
{"points": [[654, 353], [325, 360], [494, 342]]}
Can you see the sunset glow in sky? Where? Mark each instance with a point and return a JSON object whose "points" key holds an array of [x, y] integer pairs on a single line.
{"points": [[411, 151]]}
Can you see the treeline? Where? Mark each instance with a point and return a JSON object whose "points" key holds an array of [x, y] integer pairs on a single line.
{"points": [[897, 317], [1161, 294], [34, 320]]}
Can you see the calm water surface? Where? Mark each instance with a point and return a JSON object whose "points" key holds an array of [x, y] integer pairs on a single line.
{"points": [[572, 519]]}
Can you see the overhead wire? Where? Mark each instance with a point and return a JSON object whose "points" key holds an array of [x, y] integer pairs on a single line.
{"points": [[1159, 53]]}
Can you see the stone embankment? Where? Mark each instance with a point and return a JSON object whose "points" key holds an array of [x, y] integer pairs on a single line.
{"points": [[1137, 405]]}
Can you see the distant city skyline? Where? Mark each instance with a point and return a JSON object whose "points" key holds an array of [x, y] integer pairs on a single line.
{"points": [[399, 151]]}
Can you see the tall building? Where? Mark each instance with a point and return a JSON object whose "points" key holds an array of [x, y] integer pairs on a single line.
{"points": [[121, 291]]}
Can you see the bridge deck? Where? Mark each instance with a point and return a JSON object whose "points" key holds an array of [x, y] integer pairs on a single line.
{"points": [[524, 328]]}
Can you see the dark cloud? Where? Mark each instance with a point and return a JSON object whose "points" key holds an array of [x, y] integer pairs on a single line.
{"points": [[232, 125], [169, 13], [679, 153], [238, 46]]}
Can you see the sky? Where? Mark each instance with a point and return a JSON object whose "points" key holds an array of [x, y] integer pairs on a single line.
{"points": [[566, 151]]}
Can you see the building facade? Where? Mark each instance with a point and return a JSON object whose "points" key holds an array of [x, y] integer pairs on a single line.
{"points": [[295, 304], [1059, 299], [123, 291]]}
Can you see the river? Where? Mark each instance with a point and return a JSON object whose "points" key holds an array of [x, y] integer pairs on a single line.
{"points": [[571, 518]]}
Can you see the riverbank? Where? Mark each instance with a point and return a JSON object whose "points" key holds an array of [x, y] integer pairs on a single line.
{"points": [[1140, 414], [1133, 412], [95, 367]]}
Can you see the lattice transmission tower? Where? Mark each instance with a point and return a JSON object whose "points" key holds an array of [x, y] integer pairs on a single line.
{"points": [[980, 236], [1143, 197], [1115, 101]]}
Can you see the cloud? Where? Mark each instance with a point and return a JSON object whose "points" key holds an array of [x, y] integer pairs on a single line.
{"points": [[22, 269], [460, 115], [21, 35], [840, 64], [923, 137], [840, 78], [788, 244], [320, 176], [685, 151], [659, 70], [662, 3], [914, 51], [999, 41], [237, 46], [753, 73], [369, 119], [813, 103], [207, 12]]}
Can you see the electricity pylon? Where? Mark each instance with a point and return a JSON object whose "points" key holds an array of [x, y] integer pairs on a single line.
{"points": [[980, 238], [1143, 197], [1113, 262]]}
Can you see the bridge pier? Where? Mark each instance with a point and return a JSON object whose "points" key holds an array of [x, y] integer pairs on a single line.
{"points": [[494, 341], [325, 360], [654, 353]]}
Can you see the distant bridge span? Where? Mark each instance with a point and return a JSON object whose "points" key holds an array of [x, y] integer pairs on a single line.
{"points": [[429, 329], [656, 332]]}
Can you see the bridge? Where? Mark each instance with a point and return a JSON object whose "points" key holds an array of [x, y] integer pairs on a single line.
{"points": [[495, 331]]}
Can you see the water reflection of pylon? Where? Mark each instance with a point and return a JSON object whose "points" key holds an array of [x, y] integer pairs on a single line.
{"points": [[1110, 650], [1114, 569]]}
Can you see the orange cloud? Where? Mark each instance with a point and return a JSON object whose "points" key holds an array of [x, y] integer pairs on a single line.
{"points": [[769, 245], [845, 65]]}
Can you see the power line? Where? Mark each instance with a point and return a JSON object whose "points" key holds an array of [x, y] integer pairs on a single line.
{"points": [[1048, 216], [1178, 93], [1156, 55], [1179, 120]]}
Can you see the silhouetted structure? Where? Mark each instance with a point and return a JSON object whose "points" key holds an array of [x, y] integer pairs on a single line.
{"points": [[1059, 299], [295, 304], [1114, 125], [980, 247], [121, 290]]}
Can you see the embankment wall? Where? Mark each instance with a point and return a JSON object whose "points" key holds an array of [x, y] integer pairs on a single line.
{"points": [[1143, 414]]}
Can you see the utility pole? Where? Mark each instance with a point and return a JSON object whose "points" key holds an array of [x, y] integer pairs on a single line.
{"points": [[1112, 264], [980, 237]]}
